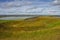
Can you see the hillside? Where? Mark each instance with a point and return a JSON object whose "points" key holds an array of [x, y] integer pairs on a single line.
{"points": [[36, 28]]}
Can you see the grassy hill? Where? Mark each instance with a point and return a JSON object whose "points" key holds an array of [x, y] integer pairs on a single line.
{"points": [[36, 28]]}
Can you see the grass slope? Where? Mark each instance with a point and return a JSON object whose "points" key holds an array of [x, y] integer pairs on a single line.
{"points": [[37, 28]]}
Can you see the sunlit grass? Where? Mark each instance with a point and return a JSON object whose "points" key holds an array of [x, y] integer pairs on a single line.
{"points": [[39, 28]]}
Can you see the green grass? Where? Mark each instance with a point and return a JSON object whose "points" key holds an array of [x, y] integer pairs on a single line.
{"points": [[34, 35], [37, 29]]}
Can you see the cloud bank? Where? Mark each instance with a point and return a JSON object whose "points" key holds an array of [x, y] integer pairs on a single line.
{"points": [[19, 7]]}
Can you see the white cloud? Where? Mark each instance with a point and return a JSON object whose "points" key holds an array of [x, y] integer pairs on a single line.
{"points": [[52, 11], [27, 8], [56, 2], [14, 4]]}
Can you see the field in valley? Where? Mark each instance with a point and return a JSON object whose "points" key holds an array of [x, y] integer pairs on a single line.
{"points": [[36, 28]]}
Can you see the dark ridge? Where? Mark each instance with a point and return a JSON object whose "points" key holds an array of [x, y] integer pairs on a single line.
{"points": [[27, 15]]}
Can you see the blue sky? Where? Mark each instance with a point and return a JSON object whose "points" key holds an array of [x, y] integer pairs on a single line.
{"points": [[28, 0], [29, 7]]}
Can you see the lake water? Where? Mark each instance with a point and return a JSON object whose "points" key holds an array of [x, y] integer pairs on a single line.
{"points": [[19, 17], [14, 18]]}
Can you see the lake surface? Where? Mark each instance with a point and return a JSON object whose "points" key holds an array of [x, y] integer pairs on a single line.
{"points": [[20, 17], [15, 18]]}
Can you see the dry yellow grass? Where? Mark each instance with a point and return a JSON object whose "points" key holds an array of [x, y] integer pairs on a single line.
{"points": [[37, 28]]}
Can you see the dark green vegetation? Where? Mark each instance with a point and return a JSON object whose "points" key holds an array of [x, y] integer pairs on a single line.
{"points": [[37, 28]]}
